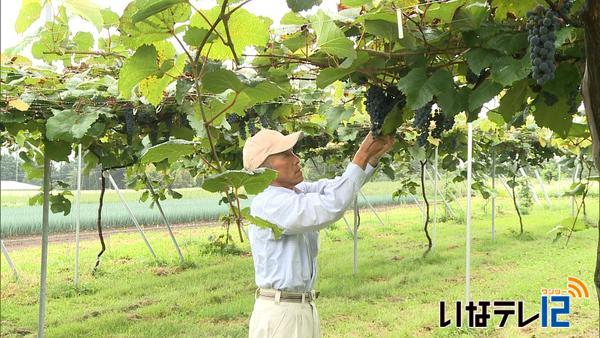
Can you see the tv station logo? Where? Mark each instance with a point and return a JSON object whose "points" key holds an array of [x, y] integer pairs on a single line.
{"points": [[555, 306]]}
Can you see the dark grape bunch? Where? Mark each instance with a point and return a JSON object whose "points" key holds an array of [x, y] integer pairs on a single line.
{"points": [[129, 125], [379, 103], [421, 123], [566, 6], [250, 120], [442, 123], [473, 78], [541, 26]]}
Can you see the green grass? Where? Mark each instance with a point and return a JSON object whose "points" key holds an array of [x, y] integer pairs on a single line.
{"points": [[395, 293]]}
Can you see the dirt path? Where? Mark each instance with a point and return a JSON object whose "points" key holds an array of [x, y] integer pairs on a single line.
{"points": [[16, 243]]}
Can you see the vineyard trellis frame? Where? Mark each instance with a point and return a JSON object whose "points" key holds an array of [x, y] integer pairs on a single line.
{"points": [[330, 71]]}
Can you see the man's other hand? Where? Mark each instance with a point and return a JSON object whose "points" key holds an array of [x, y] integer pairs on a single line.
{"points": [[372, 148]]}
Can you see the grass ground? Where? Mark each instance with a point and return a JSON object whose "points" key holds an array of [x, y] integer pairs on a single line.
{"points": [[396, 292]]}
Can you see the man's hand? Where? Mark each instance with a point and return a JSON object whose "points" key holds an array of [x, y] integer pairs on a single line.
{"points": [[389, 143], [372, 148]]}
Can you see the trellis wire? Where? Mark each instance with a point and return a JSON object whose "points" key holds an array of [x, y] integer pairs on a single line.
{"points": [[135, 222], [10, 262]]}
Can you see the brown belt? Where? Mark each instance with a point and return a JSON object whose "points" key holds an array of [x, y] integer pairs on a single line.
{"points": [[286, 296]]}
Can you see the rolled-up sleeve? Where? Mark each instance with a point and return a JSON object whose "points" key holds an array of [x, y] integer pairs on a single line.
{"points": [[311, 211]]}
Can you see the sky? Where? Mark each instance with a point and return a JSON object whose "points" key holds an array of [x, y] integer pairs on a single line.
{"points": [[9, 10]]}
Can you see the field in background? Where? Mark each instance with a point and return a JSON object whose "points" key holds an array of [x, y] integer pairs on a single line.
{"points": [[395, 294], [196, 206]]}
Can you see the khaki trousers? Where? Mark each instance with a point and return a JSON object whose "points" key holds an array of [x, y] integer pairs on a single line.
{"points": [[284, 319]]}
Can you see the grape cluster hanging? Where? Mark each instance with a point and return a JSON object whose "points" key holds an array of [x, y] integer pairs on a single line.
{"points": [[380, 102], [541, 26], [422, 122], [250, 120]]}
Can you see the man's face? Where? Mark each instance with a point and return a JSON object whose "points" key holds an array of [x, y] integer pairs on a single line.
{"points": [[287, 165]]}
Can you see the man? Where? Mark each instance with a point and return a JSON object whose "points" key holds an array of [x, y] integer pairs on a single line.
{"points": [[286, 269]]}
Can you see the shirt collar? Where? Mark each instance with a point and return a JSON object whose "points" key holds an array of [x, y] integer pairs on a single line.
{"points": [[294, 189]]}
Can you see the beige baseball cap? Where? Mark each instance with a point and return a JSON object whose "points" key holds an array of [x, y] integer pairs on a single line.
{"points": [[267, 142]]}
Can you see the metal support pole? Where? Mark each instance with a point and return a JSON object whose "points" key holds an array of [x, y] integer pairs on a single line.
{"points": [[371, 206], [44, 264], [435, 194], [558, 184], [10, 262], [162, 213], [539, 179], [575, 174], [77, 216], [494, 195], [45, 211], [355, 271], [16, 168], [137, 225], [468, 239]]}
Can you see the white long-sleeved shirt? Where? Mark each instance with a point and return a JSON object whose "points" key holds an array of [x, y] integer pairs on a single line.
{"points": [[290, 263]]}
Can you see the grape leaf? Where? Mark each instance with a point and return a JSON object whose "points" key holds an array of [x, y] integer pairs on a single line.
{"points": [[150, 7], [18, 104], [263, 91], [68, 124], [157, 27], [245, 28], [506, 70], [152, 87], [442, 11], [514, 99], [480, 58], [414, 86], [28, 14], [482, 94], [253, 182], [220, 80], [330, 38], [470, 16], [171, 150], [57, 150], [87, 10], [136, 68], [302, 5], [328, 76], [556, 117], [193, 36], [261, 223], [109, 18], [517, 7]]}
